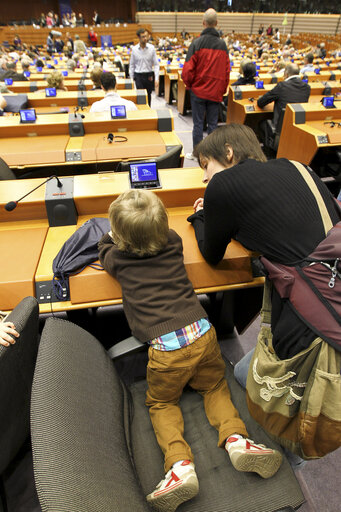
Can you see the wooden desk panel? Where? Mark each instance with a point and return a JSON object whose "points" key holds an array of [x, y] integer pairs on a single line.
{"points": [[71, 83], [35, 150], [93, 285], [12, 190], [143, 144], [94, 193], [19, 255], [302, 141], [70, 98]]}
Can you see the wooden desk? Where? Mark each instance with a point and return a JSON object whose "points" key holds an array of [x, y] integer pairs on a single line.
{"points": [[243, 110], [71, 98], [48, 142], [170, 79], [304, 131], [39, 81], [93, 194]]}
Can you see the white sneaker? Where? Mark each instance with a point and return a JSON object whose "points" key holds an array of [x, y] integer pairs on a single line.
{"points": [[190, 156], [245, 455], [180, 484]]}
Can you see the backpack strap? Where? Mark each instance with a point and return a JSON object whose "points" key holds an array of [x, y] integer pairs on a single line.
{"points": [[327, 223]]}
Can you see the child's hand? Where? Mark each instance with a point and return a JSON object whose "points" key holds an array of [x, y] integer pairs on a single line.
{"points": [[199, 204], [8, 334]]}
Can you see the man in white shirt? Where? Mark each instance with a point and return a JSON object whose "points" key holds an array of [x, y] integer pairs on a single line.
{"points": [[308, 64], [108, 83], [144, 66]]}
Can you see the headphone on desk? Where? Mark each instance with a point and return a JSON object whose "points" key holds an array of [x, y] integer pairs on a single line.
{"points": [[115, 138], [76, 110]]}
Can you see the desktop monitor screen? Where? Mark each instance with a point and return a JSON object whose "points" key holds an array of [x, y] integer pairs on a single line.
{"points": [[118, 111], [328, 102], [28, 115], [50, 92], [144, 175]]}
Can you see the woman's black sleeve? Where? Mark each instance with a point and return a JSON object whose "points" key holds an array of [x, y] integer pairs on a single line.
{"points": [[215, 224]]}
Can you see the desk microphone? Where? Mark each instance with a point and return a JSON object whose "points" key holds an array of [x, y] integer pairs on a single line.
{"points": [[13, 204]]}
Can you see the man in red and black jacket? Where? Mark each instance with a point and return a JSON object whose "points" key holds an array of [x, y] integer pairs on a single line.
{"points": [[206, 73]]}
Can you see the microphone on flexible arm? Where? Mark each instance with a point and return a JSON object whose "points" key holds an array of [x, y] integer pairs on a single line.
{"points": [[13, 204]]}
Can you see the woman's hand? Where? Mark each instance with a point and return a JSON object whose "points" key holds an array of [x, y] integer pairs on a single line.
{"points": [[7, 334], [199, 204]]}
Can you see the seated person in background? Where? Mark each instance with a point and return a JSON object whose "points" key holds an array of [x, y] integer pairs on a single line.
{"points": [[291, 90], [40, 63], [308, 64], [321, 51], [108, 83], [12, 73], [248, 71], [146, 257], [3, 104], [71, 63], [56, 79], [25, 64], [278, 68], [95, 76], [78, 45]]}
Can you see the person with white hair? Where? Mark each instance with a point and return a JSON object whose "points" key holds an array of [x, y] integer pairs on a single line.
{"points": [[79, 45]]}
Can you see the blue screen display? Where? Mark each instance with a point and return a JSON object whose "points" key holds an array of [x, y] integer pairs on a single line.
{"points": [[143, 172], [27, 73], [328, 101], [260, 84], [8, 81], [50, 92], [28, 116], [118, 111], [65, 73]]}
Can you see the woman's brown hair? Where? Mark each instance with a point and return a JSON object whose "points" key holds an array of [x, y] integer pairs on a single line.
{"points": [[239, 137]]}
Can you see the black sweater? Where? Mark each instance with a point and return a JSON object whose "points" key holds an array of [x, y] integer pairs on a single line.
{"points": [[269, 208], [158, 297]]}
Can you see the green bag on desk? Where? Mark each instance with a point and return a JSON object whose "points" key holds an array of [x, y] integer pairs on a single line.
{"points": [[297, 400]]}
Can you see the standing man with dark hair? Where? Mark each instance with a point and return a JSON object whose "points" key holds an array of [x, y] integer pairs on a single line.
{"points": [[144, 66], [206, 73]]}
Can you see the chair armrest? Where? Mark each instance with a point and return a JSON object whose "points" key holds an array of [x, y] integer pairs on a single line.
{"points": [[127, 346]]}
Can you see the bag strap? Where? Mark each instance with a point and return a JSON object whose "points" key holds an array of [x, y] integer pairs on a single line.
{"points": [[327, 223], [265, 313]]}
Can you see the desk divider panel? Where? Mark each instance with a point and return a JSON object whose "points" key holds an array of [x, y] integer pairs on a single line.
{"points": [[20, 251]]}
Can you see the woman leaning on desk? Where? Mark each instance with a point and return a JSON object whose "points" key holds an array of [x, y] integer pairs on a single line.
{"points": [[265, 205]]}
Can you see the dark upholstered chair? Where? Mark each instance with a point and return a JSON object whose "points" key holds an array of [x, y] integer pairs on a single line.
{"points": [[94, 448], [17, 364], [5, 172], [169, 160]]}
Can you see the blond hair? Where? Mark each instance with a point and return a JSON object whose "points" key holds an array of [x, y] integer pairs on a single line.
{"points": [[55, 79], [139, 223]]}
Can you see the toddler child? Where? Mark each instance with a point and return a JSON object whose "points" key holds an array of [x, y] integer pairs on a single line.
{"points": [[146, 258]]}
